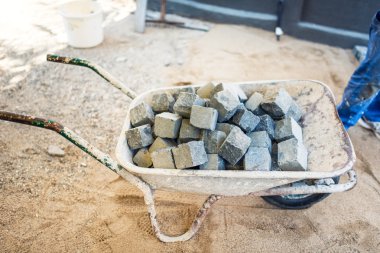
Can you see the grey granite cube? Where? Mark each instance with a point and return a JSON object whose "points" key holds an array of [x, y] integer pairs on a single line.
{"points": [[246, 120], [141, 114], [189, 132], [184, 103], [257, 159], [254, 101], [274, 155], [225, 127], [189, 155], [259, 111], [215, 162], [142, 158], [234, 89], [163, 102], [225, 103], [160, 143], [294, 111], [203, 117], [266, 124], [163, 159], [213, 140], [139, 137], [188, 89], [260, 139], [234, 146], [277, 103], [167, 125], [238, 166], [292, 155], [206, 91], [286, 129], [240, 93]]}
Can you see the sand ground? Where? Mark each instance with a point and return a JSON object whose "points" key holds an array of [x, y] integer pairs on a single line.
{"points": [[51, 204]]}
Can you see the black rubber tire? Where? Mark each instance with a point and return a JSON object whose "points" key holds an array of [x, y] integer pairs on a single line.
{"points": [[285, 202]]}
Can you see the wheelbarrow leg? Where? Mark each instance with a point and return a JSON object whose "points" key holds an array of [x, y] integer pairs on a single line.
{"points": [[106, 160], [201, 215]]}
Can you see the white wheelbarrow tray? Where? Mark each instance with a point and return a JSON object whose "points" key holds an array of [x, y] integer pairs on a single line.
{"points": [[330, 152]]}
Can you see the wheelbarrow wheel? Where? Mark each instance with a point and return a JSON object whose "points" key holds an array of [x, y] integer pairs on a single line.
{"points": [[297, 201]]}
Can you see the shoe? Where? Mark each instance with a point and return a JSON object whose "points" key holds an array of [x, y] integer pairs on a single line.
{"points": [[370, 125]]}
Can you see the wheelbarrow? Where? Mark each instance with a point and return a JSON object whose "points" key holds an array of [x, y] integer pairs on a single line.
{"points": [[330, 154]]}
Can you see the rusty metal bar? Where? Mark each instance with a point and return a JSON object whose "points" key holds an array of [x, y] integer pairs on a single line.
{"points": [[163, 10], [98, 69], [106, 160]]}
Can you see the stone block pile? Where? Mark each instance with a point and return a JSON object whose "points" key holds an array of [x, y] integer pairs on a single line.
{"points": [[218, 127]]}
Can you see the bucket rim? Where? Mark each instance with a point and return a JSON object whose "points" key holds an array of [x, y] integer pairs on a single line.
{"points": [[65, 14]]}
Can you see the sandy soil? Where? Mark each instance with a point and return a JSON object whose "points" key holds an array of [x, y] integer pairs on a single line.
{"points": [[51, 204]]}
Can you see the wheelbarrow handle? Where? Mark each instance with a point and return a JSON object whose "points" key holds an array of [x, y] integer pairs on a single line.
{"points": [[106, 160], [66, 133], [98, 69]]}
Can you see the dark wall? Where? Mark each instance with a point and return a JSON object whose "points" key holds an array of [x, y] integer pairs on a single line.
{"points": [[343, 23]]}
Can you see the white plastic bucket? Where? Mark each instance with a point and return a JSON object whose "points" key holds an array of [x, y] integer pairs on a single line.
{"points": [[83, 23]]}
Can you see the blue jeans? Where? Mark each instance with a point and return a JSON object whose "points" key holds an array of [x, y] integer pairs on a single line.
{"points": [[361, 96]]}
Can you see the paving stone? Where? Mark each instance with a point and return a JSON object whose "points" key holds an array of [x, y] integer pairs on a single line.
{"points": [[240, 93], [215, 162], [292, 155], [286, 129], [234, 89], [188, 132], [260, 139], [246, 120], [241, 106], [257, 159], [163, 158], [213, 140], [259, 111], [225, 127], [139, 137], [238, 166], [206, 91], [277, 103], [266, 124], [177, 91], [184, 103], [188, 89], [163, 102], [203, 117], [225, 103], [141, 114], [160, 143], [234, 146], [142, 158], [254, 101], [274, 155], [189, 154], [167, 125], [294, 111]]}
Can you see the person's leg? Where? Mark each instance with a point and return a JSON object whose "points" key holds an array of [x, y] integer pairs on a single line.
{"points": [[373, 110], [364, 84]]}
